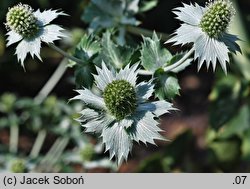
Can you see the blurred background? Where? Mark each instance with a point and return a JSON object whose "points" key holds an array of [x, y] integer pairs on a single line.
{"points": [[210, 133]]}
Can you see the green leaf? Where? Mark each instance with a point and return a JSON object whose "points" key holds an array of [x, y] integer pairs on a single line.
{"points": [[153, 56], [96, 17], [167, 87], [245, 147], [83, 76], [225, 101], [238, 125], [110, 13], [86, 50], [226, 151], [113, 54]]}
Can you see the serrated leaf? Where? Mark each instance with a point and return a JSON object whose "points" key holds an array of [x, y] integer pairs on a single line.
{"points": [[167, 87], [153, 56], [110, 13], [145, 129], [116, 55], [84, 77], [86, 50], [96, 17], [89, 45], [117, 141]]}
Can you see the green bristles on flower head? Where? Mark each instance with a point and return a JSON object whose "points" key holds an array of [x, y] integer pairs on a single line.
{"points": [[21, 19], [120, 98], [217, 18]]}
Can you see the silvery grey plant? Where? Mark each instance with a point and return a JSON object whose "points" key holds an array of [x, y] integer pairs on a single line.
{"points": [[206, 28], [122, 113], [30, 28]]}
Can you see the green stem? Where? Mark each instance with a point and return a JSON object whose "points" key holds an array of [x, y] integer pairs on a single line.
{"points": [[53, 155], [178, 63], [51, 83], [14, 132], [171, 67], [38, 143], [145, 72], [65, 54], [41, 96], [148, 33]]}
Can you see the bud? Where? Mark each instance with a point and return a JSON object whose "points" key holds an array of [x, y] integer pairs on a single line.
{"points": [[21, 19], [120, 98], [217, 18], [87, 153], [18, 166]]}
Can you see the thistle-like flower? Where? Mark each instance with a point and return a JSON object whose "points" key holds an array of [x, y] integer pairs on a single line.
{"points": [[206, 27], [30, 28], [121, 113]]}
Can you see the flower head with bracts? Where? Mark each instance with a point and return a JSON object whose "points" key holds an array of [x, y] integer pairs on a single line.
{"points": [[206, 27], [30, 28], [122, 112]]}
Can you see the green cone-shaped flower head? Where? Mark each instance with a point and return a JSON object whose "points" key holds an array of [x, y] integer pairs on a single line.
{"points": [[217, 18], [120, 98], [21, 19]]}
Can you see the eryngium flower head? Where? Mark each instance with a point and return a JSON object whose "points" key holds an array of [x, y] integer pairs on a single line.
{"points": [[31, 28], [122, 112], [206, 27]]}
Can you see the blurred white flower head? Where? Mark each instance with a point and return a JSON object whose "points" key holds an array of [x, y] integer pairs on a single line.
{"points": [[206, 27], [30, 28]]}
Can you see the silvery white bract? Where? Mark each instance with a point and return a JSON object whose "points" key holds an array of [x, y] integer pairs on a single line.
{"points": [[45, 32], [129, 121], [206, 27]]}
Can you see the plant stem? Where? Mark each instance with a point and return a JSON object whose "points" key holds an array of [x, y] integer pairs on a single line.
{"points": [[145, 72], [65, 54], [51, 83], [38, 143], [14, 132], [178, 63], [171, 67], [44, 92], [53, 155], [148, 33]]}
